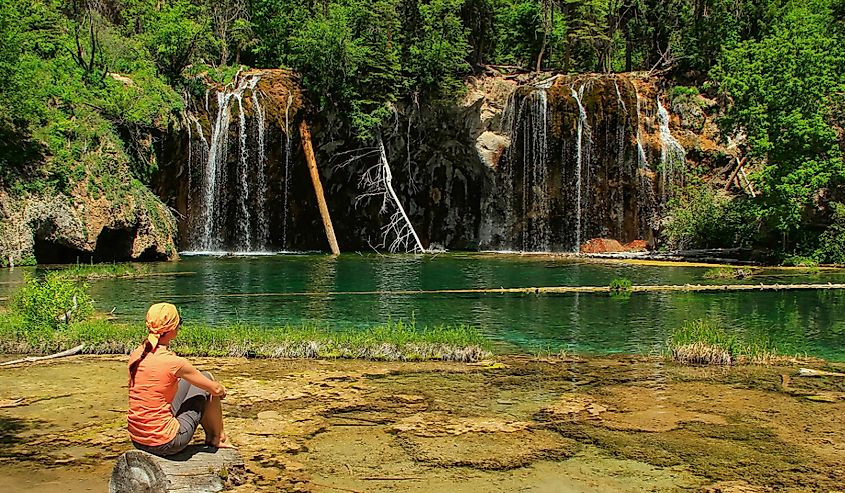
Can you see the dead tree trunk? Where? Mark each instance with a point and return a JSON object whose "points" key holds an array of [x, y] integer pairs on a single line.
{"points": [[197, 469], [305, 134]]}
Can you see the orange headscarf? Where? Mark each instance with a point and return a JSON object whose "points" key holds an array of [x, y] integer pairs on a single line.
{"points": [[161, 319]]}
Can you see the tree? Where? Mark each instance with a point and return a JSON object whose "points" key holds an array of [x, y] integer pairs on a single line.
{"points": [[781, 89]]}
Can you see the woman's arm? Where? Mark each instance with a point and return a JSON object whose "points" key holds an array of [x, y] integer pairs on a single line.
{"points": [[194, 377]]}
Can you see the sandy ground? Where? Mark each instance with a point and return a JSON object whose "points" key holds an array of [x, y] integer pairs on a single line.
{"points": [[626, 424]]}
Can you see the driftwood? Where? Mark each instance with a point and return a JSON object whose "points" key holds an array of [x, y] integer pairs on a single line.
{"points": [[32, 359], [739, 163], [809, 372], [197, 469]]}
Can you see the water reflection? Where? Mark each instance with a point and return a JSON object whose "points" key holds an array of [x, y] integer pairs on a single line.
{"points": [[321, 279], [297, 288]]}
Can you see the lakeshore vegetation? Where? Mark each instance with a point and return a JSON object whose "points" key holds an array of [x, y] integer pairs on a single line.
{"points": [[52, 312]]}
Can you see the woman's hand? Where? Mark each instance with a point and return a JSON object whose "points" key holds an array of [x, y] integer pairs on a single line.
{"points": [[220, 391]]}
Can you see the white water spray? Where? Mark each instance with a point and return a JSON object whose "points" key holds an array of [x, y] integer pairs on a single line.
{"points": [[672, 155]]}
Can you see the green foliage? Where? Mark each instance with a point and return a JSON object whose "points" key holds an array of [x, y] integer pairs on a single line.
{"points": [[781, 86], [799, 261], [727, 273], [702, 218], [46, 301], [620, 285], [831, 249]]}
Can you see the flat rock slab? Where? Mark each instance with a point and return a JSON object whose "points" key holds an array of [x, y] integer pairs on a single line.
{"points": [[197, 469]]}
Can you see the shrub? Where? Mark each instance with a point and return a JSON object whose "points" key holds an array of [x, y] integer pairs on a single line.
{"points": [[727, 273], [831, 247], [800, 261], [702, 218], [52, 300]]}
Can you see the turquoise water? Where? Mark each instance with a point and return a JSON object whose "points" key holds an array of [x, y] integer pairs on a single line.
{"points": [[282, 289]]}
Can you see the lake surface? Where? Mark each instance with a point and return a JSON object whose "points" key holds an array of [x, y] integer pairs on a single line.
{"points": [[316, 288]]}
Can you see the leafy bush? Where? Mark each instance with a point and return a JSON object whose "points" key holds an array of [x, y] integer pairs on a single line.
{"points": [[831, 248], [52, 300], [799, 261], [702, 218], [727, 273]]}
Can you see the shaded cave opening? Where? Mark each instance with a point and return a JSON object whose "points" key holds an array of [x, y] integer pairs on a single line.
{"points": [[52, 252]]}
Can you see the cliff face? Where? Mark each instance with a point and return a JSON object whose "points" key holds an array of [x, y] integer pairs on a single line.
{"points": [[531, 163], [80, 228], [535, 163], [540, 164]]}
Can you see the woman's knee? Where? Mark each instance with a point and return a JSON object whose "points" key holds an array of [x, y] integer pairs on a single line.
{"points": [[207, 375]]}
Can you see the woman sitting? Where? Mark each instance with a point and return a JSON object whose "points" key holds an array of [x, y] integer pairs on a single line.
{"points": [[168, 397]]}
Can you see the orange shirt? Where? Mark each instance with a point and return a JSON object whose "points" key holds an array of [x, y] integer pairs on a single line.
{"points": [[151, 421]]}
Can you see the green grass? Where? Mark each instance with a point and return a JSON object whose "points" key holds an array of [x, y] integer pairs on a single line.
{"points": [[727, 273], [393, 341], [102, 271], [702, 342]]}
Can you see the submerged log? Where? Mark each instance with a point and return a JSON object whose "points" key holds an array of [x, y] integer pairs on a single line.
{"points": [[197, 469]]}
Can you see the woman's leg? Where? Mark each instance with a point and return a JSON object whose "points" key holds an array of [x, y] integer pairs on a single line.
{"points": [[212, 421]]}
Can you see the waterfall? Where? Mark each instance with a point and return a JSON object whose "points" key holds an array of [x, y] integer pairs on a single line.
{"points": [[263, 234], [243, 170], [528, 127], [287, 174], [222, 204], [642, 161], [672, 155], [581, 127]]}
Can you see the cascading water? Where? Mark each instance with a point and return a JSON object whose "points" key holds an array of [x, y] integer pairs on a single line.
{"points": [[287, 173], [222, 207], [672, 156], [642, 160], [581, 127], [263, 233], [531, 123], [577, 165]]}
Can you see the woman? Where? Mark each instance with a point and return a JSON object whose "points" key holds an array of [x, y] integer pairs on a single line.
{"points": [[168, 397]]}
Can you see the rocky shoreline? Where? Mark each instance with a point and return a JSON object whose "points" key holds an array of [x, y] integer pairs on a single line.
{"points": [[619, 424]]}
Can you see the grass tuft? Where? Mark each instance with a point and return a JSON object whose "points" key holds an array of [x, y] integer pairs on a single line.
{"points": [[727, 273], [702, 342]]}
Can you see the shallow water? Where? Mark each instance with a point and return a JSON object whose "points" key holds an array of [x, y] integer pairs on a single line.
{"points": [[618, 424], [312, 288]]}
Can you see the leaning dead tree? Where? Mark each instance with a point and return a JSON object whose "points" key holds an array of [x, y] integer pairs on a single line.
{"points": [[398, 235]]}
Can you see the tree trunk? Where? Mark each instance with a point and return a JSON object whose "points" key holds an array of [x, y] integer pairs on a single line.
{"points": [[197, 469], [305, 134]]}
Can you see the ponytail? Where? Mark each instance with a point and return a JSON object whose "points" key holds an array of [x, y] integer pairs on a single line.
{"points": [[133, 366]]}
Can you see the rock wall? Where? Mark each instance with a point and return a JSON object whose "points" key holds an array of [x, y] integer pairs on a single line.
{"points": [[73, 228], [534, 163]]}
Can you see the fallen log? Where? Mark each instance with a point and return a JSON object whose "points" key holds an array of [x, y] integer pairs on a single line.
{"points": [[197, 469], [32, 359], [809, 372]]}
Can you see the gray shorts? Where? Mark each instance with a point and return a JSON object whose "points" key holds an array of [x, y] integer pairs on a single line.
{"points": [[187, 405]]}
